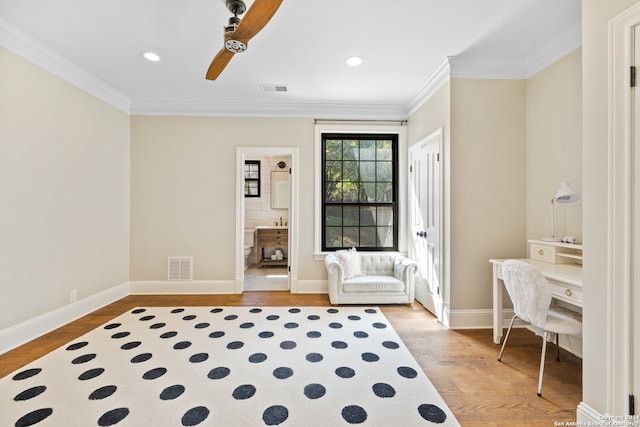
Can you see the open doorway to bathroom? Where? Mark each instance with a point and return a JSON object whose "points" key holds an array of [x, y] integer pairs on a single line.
{"points": [[266, 219]]}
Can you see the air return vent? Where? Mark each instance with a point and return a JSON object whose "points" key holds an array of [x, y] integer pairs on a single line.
{"points": [[273, 87], [180, 268]]}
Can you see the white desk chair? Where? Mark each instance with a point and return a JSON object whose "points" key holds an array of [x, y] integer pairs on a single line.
{"points": [[531, 296]]}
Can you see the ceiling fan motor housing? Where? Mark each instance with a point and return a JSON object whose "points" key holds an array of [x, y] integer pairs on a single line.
{"points": [[235, 46]]}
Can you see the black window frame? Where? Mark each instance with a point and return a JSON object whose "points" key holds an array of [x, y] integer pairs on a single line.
{"points": [[246, 179], [393, 204]]}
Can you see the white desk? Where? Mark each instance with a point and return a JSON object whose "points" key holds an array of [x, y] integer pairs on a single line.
{"points": [[565, 280]]}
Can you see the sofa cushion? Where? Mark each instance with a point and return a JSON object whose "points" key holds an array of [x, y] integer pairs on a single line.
{"points": [[373, 284], [350, 262]]}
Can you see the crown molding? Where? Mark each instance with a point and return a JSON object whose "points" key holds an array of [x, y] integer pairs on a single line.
{"points": [[438, 79], [37, 53]]}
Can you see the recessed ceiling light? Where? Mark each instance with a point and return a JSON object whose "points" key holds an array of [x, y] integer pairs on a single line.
{"points": [[151, 56], [354, 61]]}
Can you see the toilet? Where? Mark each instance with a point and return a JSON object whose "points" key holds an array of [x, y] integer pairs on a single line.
{"points": [[248, 245]]}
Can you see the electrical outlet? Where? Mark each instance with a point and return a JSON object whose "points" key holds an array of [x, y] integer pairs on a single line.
{"points": [[73, 296]]}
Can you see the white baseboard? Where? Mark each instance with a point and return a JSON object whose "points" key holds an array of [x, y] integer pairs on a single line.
{"points": [[475, 319], [310, 287], [28, 330], [179, 288], [586, 415]]}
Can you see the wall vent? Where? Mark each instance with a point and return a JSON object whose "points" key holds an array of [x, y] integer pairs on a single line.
{"points": [[180, 269], [273, 87]]}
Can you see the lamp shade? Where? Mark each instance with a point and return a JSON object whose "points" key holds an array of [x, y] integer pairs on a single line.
{"points": [[566, 193]]}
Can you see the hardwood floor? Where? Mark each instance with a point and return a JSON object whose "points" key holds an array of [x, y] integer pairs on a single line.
{"points": [[462, 365]]}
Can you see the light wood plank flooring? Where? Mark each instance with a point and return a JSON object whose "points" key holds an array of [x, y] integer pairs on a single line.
{"points": [[462, 365]]}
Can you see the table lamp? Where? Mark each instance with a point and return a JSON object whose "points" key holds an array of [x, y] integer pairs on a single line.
{"points": [[565, 194]]}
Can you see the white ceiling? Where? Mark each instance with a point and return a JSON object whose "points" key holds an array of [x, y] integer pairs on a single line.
{"points": [[403, 43]]}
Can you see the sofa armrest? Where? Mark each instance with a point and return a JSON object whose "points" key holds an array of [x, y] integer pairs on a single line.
{"points": [[404, 268], [335, 277]]}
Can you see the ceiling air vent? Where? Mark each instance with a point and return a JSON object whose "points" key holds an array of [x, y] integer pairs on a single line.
{"points": [[273, 88], [180, 269]]}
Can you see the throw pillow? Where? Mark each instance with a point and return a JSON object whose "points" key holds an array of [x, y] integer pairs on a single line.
{"points": [[350, 262]]}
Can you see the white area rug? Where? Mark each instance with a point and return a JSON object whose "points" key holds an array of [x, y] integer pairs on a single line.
{"points": [[228, 366]]}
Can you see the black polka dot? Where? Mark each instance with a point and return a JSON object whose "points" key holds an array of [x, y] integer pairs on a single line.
{"points": [[339, 344], [255, 310], [391, 345], [130, 345], [177, 310], [288, 345], [313, 317], [273, 317], [432, 413], [383, 390], [360, 334], [282, 373], [234, 345], [247, 325], [182, 345], [216, 334], [333, 310], [84, 358], [147, 318], [379, 325], [154, 373], [219, 373], [335, 325], [314, 391], [352, 317], [26, 374], [354, 414], [291, 325], [139, 310], [189, 317], [113, 416], [231, 317], [195, 416], [314, 334], [198, 357], [216, 310], [370, 310], [294, 310], [266, 334], [168, 335], [77, 345], [112, 326], [244, 392], [172, 392], [141, 358], [345, 372], [370, 357], [407, 372], [34, 417], [202, 325], [103, 392], [120, 335], [90, 374], [30, 393], [314, 357], [257, 358], [158, 325], [275, 415]]}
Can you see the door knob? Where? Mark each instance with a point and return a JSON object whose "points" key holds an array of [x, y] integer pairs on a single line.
{"points": [[421, 234]]}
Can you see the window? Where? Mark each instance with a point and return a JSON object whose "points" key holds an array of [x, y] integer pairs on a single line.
{"points": [[252, 178], [359, 191]]}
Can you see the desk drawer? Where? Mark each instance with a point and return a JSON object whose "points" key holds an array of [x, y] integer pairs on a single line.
{"points": [[543, 253], [566, 292]]}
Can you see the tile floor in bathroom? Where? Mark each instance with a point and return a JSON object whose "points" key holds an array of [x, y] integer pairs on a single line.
{"points": [[266, 279]]}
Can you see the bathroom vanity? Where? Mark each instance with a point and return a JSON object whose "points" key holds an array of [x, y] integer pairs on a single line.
{"points": [[271, 237]]}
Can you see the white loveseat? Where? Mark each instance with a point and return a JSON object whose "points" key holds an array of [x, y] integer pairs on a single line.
{"points": [[387, 278]]}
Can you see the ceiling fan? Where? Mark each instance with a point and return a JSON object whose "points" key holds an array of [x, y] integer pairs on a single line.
{"points": [[239, 31]]}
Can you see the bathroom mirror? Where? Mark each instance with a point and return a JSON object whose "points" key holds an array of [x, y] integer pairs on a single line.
{"points": [[279, 190]]}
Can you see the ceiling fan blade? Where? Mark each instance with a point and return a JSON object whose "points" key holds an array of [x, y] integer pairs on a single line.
{"points": [[258, 15], [219, 63]]}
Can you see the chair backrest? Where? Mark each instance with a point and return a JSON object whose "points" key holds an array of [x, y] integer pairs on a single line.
{"points": [[529, 291]]}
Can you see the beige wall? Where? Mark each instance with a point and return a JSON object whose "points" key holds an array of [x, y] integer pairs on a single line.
{"points": [[183, 191], [595, 63], [554, 145], [64, 188]]}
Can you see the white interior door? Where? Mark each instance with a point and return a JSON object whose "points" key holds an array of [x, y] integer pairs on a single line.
{"points": [[425, 199], [635, 171]]}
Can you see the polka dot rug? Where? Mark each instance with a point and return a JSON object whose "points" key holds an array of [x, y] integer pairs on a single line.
{"points": [[228, 366]]}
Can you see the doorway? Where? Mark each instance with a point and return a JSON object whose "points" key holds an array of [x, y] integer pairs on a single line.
{"points": [[266, 242]]}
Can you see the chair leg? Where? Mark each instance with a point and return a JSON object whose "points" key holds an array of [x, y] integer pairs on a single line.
{"points": [[544, 351], [506, 337]]}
